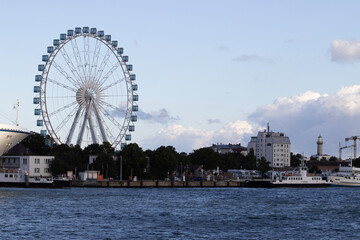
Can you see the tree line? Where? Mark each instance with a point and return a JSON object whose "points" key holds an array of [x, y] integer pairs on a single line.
{"points": [[134, 161]]}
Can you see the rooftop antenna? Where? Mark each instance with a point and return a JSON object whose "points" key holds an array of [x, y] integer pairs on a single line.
{"points": [[268, 127], [16, 106]]}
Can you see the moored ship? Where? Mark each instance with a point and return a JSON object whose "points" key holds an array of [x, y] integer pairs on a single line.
{"points": [[346, 177], [302, 180], [11, 135]]}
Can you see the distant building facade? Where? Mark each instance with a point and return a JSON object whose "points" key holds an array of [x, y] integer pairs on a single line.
{"points": [[274, 146], [35, 166], [229, 148]]}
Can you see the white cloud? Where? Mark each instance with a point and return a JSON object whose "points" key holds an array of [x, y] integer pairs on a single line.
{"points": [[305, 116], [345, 51], [302, 117], [188, 138]]}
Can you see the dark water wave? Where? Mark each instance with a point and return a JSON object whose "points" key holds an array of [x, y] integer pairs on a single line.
{"points": [[200, 213]]}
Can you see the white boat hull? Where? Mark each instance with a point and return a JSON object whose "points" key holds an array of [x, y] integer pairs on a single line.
{"points": [[345, 181], [10, 136]]}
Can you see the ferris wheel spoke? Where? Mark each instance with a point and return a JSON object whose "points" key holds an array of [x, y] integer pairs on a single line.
{"points": [[103, 64], [114, 107], [62, 109], [64, 73], [112, 96], [78, 59], [91, 125], [82, 130], [73, 126], [65, 120], [95, 58], [100, 122], [58, 97], [70, 63], [112, 120], [109, 73], [87, 64], [112, 84], [61, 85]]}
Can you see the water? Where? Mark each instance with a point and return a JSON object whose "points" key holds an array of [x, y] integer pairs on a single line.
{"points": [[198, 213]]}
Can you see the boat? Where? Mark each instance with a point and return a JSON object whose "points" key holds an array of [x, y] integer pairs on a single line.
{"points": [[347, 177], [19, 178], [10, 135], [301, 180]]}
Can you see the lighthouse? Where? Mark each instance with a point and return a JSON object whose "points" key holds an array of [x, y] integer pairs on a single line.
{"points": [[319, 146]]}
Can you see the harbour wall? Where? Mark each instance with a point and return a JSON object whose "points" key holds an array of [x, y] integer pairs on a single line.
{"points": [[160, 184]]}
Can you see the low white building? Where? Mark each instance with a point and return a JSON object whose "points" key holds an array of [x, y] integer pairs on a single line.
{"points": [[89, 175], [35, 166]]}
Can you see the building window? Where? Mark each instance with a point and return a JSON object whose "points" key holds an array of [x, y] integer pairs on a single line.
{"points": [[37, 161], [24, 161], [47, 160], [37, 170], [46, 170]]}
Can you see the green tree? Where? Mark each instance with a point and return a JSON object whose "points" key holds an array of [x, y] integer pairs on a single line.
{"points": [[67, 159], [295, 159], [164, 160], [35, 143], [263, 166], [106, 164], [356, 162], [314, 169], [249, 162], [228, 161], [134, 160], [206, 157]]}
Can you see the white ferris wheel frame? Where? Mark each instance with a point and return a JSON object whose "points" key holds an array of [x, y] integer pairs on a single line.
{"points": [[88, 104]]}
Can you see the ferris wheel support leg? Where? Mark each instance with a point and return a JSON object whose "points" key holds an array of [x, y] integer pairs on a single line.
{"points": [[86, 116], [71, 133], [102, 130], [93, 136]]}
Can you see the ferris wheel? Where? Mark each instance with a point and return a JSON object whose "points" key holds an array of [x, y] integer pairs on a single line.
{"points": [[86, 92]]}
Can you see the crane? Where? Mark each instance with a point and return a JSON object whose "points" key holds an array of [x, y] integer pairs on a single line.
{"points": [[354, 138], [341, 148]]}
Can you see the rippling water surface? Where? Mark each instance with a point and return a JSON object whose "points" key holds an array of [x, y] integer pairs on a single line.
{"points": [[196, 213]]}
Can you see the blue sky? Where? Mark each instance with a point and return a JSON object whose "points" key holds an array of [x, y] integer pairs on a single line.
{"points": [[208, 71]]}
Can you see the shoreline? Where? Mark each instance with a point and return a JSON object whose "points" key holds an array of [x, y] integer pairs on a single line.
{"points": [[160, 184]]}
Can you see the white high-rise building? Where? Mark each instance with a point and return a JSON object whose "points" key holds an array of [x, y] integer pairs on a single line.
{"points": [[274, 146]]}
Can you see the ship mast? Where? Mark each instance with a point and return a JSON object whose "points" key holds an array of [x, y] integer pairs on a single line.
{"points": [[16, 107]]}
